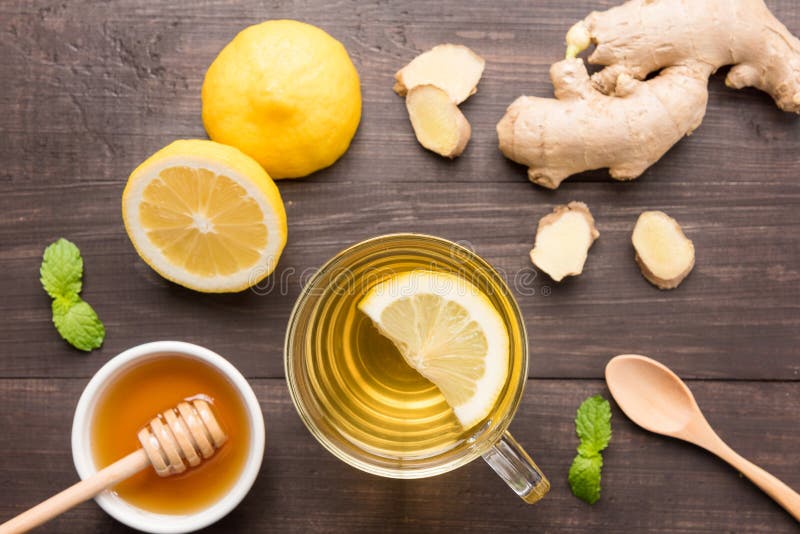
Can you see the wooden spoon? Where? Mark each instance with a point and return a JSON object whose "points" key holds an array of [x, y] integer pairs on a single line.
{"points": [[654, 398], [179, 436]]}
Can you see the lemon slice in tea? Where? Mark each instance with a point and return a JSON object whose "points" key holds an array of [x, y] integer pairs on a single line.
{"points": [[448, 331], [205, 216]]}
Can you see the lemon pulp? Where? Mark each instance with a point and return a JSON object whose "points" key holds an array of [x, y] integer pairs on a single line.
{"points": [[205, 216], [448, 331]]}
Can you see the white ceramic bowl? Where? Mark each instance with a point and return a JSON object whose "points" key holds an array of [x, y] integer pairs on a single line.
{"points": [[136, 517]]}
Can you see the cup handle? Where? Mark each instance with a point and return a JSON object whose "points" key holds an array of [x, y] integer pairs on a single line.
{"points": [[513, 464]]}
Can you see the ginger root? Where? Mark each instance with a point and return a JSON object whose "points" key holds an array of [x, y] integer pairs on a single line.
{"points": [[583, 129], [742, 33], [453, 68], [438, 123], [434, 83], [664, 254], [616, 120], [563, 239]]}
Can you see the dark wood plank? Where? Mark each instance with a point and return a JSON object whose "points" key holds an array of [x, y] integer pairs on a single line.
{"points": [[98, 86], [736, 316], [650, 484]]}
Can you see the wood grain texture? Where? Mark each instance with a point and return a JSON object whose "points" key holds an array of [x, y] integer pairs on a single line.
{"points": [[89, 89], [650, 483]]}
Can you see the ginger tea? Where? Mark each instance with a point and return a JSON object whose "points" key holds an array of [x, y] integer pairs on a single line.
{"points": [[366, 402], [148, 388]]}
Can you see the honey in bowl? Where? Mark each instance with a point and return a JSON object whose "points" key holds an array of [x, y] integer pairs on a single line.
{"points": [[148, 388]]}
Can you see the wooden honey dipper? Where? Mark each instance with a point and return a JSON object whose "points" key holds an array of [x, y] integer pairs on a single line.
{"points": [[183, 435]]}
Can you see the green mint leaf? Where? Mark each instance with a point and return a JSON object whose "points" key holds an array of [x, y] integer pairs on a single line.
{"points": [[61, 273], [78, 323], [593, 425], [62, 269], [584, 477]]}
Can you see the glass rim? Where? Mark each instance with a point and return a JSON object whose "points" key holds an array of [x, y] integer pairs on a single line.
{"points": [[473, 451]]}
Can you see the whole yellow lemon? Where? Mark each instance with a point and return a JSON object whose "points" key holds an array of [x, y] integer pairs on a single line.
{"points": [[285, 93]]}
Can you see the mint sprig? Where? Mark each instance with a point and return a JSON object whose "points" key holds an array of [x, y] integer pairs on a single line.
{"points": [[593, 427], [61, 275]]}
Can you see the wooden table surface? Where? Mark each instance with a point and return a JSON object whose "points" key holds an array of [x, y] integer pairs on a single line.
{"points": [[89, 89]]}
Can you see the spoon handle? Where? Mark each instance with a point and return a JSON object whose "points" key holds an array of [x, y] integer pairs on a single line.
{"points": [[772, 486]]}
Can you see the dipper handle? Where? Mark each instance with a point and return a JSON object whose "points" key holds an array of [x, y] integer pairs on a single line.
{"points": [[185, 434], [76, 494]]}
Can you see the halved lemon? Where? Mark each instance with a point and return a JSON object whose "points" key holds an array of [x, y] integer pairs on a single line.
{"points": [[205, 216], [450, 332]]}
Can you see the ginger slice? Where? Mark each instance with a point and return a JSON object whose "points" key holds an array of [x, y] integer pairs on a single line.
{"points": [[563, 239], [438, 123], [664, 254], [453, 68]]}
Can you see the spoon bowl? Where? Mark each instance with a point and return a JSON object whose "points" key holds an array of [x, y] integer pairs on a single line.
{"points": [[650, 394], [656, 399]]}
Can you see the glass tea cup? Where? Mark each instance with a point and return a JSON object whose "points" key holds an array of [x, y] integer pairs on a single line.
{"points": [[363, 403]]}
